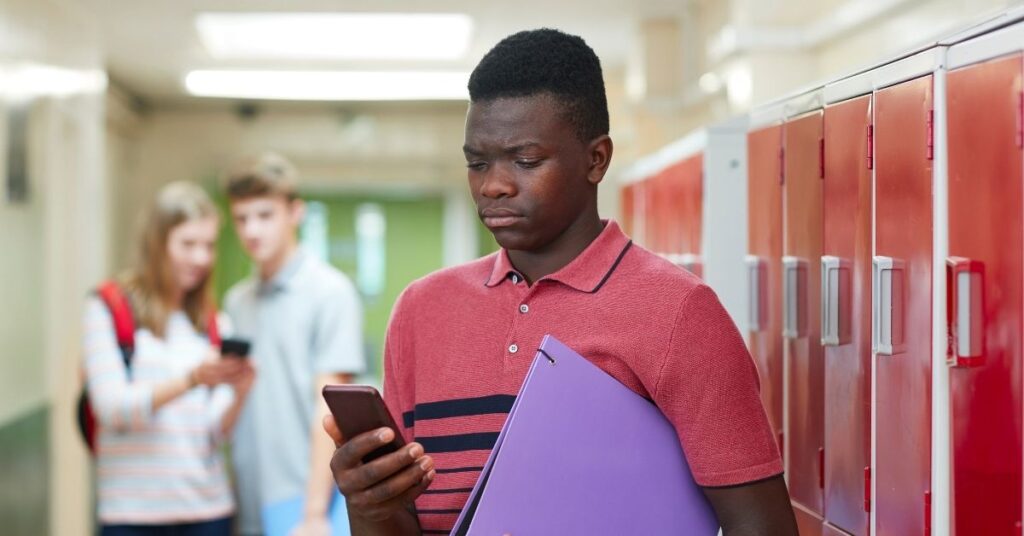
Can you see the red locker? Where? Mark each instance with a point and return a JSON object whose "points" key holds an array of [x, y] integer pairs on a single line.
{"points": [[846, 313], [802, 193], [984, 278], [627, 207], [902, 287], [691, 173], [764, 229], [652, 213], [686, 187]]}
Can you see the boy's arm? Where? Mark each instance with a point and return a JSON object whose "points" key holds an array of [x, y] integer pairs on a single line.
{"points": [[708, 388], [320, 485], [753, 509]]}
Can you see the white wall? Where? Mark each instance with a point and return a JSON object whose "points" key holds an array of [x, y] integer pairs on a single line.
{"points": [[55, 245]]}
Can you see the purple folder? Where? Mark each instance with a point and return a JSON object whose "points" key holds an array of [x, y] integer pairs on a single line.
{"points": [[580, 453]]}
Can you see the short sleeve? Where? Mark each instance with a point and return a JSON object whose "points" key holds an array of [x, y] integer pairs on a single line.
{"points": [[397, 380], [708, 388], [338, 338]]}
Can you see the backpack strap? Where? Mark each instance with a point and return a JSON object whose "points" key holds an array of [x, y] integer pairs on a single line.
{"points": [[124, 320], [212, 329]]}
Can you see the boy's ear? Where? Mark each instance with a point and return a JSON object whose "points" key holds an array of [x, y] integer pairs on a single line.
{"points": [[297, 208]]}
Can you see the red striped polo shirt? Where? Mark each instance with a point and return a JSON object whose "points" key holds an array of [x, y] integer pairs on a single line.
{"points": [[461, 340]]}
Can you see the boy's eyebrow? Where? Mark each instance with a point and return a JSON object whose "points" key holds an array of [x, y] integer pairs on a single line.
{"points": [[508, 150]]}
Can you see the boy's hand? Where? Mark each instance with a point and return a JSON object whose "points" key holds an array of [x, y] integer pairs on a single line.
{"points": [[377, 490]]}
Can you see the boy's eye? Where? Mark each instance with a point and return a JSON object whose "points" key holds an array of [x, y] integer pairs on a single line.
{"points": [[476, 165], [526, 163]]}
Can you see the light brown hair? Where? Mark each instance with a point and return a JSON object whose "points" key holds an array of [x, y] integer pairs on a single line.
{"points": [[150, 283], [265, 175]]}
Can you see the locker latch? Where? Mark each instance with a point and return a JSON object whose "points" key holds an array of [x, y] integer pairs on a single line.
{"points": [[835, 301], [965, 313], [888, 286], [794, 291]]}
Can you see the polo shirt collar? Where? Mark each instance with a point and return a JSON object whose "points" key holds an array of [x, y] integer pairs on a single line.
{"points": [[586, 273], [286, 274]]}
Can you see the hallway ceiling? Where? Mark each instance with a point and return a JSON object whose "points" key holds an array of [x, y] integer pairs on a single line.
{"points": [[150, 46]]}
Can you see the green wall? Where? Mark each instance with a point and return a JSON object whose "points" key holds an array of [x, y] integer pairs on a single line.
{"points": [[25, 474], [414, 248]]}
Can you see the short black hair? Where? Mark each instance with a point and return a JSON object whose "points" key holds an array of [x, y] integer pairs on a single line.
{"points": [[546, 61]]}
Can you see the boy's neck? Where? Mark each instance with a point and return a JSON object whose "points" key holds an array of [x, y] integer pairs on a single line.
{"points": [[534, 265], [274, 265]]}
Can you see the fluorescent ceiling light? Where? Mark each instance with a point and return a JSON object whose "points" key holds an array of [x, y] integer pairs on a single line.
{"points": [[330, 85], [33, 80], [344, 36]]}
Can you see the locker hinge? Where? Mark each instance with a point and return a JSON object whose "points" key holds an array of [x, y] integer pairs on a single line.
{"points": [[927, 513], [1019, 135], [821, 467], [782, 165], [931, 134], [871, 146], [867, 489], [821, 158]]}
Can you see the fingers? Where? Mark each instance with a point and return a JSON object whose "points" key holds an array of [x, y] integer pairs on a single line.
{"points": [[352, 475], [351, 454], [382, 499], [332, 430]]}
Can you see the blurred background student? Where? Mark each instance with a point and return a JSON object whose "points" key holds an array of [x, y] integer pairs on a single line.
{"points": [[305, 320], [163, 415]]}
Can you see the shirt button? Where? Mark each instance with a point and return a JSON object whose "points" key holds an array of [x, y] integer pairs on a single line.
{"points": [[515, 279], [524, 308], [513, 349]]}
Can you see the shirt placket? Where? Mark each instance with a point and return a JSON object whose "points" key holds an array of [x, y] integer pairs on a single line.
{"points": [[516, 350]]}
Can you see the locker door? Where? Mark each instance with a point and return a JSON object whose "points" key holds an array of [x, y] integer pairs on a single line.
{"points": [[902, 286], [764, 229], [687, 177], [846, 313], [692, 173], [675, 199], [653, 233], [985, 229], [802, 213], [627, 208]]}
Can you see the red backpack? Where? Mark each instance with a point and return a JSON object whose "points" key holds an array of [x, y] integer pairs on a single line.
{"points": [[124, 328]]}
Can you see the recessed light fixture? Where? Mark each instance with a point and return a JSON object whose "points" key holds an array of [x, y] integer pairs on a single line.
{"points": [[330, 85], [335, 36]]}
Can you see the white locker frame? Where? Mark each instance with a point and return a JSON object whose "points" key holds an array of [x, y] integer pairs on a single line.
{"points": [[724, 216]]}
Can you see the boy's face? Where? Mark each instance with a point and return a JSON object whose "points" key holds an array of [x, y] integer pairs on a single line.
{"points": [[530, 175], [266, 226]]}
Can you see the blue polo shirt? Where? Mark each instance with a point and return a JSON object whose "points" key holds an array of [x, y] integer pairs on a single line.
{"points": [[303, 322]]}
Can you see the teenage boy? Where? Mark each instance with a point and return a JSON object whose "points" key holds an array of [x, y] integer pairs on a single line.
{"points": [[461, 340], [304, 318]]}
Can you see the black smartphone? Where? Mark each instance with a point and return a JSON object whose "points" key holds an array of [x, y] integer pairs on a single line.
{"points": [[235, 347], [358, 409]]}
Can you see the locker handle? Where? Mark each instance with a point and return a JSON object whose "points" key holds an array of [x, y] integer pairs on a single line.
{"points": [[794, 288], [757, 300], [964, 311], [888, 285], [691, 263], [835, 301]]}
